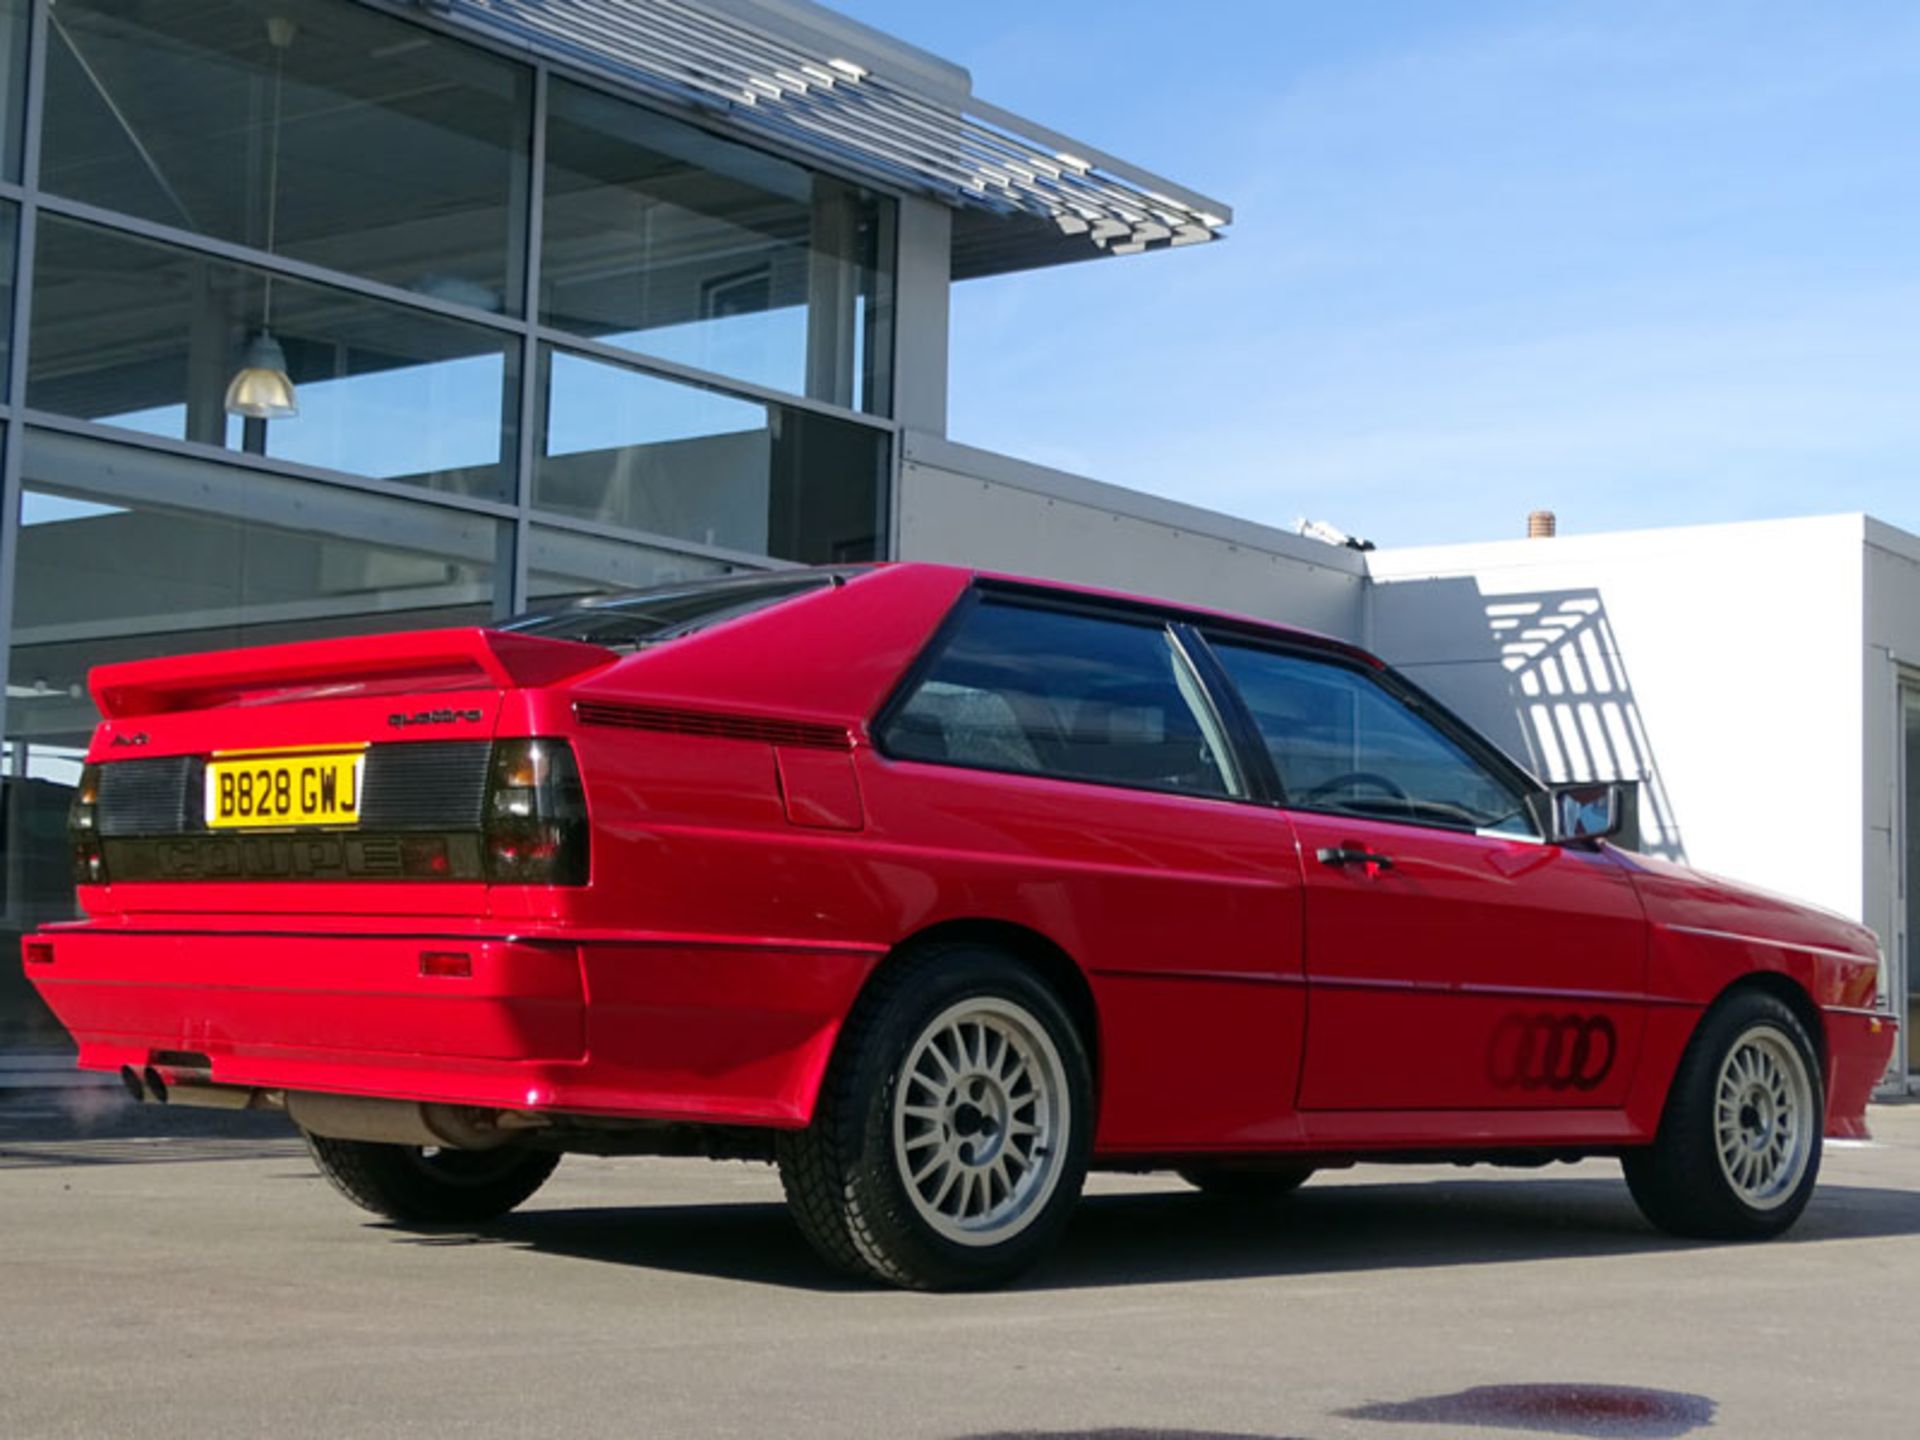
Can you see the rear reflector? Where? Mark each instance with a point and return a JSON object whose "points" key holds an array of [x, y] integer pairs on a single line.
{"points": [[37, 952], [448, 964]]}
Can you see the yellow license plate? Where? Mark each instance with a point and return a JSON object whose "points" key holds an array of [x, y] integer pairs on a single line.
{"points": [[286, 788]]}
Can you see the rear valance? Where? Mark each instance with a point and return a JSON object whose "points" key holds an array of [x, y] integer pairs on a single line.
{"points": [[427, 659]]}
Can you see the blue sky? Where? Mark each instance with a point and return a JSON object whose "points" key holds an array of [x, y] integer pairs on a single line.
{"points": [[1640, 263]]}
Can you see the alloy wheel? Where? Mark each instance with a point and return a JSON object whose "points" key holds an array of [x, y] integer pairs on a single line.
{"points": [[1763, 1117], [981, 1121]]}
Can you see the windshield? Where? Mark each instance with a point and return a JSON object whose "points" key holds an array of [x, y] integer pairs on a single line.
{"points": [[632, 618]]}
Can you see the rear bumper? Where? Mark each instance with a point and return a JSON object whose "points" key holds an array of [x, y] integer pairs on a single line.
{"points": [[636, 1027], [1859, 1049]]}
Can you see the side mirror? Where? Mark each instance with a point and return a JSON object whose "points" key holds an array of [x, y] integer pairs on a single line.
{"points": [[1590, 811]]}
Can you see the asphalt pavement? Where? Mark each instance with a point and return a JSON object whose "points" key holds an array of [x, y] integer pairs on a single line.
{"points": [[199, 1279]]}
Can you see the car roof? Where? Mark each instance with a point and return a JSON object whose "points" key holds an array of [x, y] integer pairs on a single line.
{"points": [[1006, 582], [1200, 615]]}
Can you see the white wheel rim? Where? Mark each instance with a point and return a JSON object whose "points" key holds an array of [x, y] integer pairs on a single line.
{"points": [[981, 1121], [1763, 1117]]}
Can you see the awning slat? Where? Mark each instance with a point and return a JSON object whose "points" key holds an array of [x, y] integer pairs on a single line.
{"points": [[870, 123]]}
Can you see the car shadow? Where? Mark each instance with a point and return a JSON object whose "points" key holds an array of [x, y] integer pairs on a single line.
{"points": [[1178, 1235], [755, 1241]]}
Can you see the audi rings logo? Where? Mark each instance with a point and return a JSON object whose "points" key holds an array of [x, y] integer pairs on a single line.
{"points": [[1551, 1052]]}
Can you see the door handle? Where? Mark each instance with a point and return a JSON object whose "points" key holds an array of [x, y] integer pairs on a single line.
{"points": [[1350, 855]]}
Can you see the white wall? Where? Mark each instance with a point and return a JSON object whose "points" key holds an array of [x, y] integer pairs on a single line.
{"points": [[970, 507], [1722, 666], [1892, 649]]}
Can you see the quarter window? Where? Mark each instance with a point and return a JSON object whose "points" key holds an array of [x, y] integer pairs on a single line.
{"points": [[1342, 743], [1077, 697]]}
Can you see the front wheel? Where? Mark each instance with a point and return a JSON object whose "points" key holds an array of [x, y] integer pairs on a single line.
{"points": [[952, 1134], [1739, 1145], [431, 1187]]}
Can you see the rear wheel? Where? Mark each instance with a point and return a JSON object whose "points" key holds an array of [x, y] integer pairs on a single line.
{"points": [[1739, 1145], [431, 1187], [1246, 1184], [952, 1134]]}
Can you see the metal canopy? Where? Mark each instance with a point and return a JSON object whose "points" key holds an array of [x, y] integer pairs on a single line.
{"points": [[1053, 203]]}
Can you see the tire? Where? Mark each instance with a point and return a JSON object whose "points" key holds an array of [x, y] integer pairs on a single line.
{"points": [[1739, 1145], [431, 1187], [952, 1133], [1239, 1184]]}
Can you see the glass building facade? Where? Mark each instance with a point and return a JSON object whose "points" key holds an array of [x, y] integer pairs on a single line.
{"points": [[540, 339]]}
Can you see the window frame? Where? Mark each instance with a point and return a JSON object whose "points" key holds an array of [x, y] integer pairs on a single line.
{"points": [[523, 73], [875, 394], [1397, 689], [520, 325], [1183, 645], [167, 250]]}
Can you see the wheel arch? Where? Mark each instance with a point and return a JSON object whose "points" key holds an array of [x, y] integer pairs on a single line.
{"points": [[1652, 1105], [1038, 952], [1788, 992], [1673, 1030]]}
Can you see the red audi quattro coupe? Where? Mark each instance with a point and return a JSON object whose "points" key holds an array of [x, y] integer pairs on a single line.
{"points": [[938, 888]]}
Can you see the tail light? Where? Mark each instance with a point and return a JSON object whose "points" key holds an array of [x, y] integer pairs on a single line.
{"points": [[83, 830], [536, 817]]}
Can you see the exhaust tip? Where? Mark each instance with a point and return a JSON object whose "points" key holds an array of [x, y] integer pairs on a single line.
{"points": [[156, 1087], [131, 1079]]}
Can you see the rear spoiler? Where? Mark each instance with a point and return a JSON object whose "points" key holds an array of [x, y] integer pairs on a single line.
{"points": [[435, 659]]}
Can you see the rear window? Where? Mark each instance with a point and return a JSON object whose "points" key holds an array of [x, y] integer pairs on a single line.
{"points": [[632, 618]]}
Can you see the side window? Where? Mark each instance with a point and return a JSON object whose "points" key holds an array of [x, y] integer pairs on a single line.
{"points": [[1077, 697], [1344, 744]]}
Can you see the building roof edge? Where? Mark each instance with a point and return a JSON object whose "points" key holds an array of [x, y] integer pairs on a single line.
{"points": [[889, 114]]}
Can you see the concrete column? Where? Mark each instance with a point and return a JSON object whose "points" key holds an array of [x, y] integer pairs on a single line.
{"points": [[922, 280]]}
